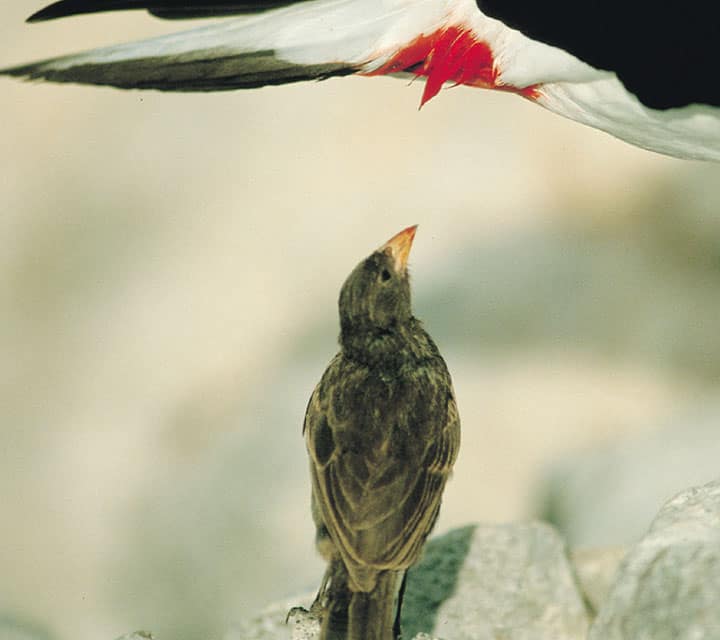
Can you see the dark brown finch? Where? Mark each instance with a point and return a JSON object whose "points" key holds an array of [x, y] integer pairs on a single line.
{"points": [[382, 431]]}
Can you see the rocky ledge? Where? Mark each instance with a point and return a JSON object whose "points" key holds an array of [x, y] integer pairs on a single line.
{"points": [[518, 582]]}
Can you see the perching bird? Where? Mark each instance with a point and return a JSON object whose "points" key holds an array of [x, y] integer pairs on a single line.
{"points": [[643, 71], [382, 432]]}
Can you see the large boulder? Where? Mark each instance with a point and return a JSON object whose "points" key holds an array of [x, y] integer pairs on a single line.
{"points": [[668, 586], [515, 583]]}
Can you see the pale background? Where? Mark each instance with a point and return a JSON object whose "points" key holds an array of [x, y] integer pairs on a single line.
{"points": [[169, 267]]}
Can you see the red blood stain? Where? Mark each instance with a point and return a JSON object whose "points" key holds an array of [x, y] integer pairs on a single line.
{"points": [[451, 54]]}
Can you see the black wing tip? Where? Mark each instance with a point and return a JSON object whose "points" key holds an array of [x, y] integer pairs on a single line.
{"points": [[66, 8], [38, 16], [26, 73], [152, 74], [17, 72], [50, 12], [168, 9]]}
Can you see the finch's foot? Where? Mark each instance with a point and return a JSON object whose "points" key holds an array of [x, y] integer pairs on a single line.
{"points": [[305, 623]]}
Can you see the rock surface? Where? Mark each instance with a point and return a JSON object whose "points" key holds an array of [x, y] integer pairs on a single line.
{"points": [[270, 623], [668, 586], [516, 584], [475, 583]]}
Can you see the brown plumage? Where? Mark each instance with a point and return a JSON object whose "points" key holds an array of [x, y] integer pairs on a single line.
{"points": [[382, 432]]}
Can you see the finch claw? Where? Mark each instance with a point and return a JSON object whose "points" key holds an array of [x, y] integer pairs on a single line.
{"points": [[296, 613], [306, 623]]}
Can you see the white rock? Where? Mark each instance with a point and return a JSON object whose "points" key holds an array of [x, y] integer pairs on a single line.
{"points": [[516, 584], [668, 586]]}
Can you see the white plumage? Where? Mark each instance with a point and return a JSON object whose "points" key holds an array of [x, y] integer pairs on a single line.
{"points": [[321, 38]]}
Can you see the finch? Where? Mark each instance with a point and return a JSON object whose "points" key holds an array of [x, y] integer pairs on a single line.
{"points": [[382, 432]]}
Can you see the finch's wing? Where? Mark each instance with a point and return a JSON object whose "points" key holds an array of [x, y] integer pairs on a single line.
{"points": [[380, 502]]}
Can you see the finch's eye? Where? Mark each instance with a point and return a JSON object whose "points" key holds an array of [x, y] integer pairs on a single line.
{"points": [[385, 275]]}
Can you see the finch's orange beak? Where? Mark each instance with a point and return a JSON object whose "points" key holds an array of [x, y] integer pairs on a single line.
{"points": [[399, 247]]}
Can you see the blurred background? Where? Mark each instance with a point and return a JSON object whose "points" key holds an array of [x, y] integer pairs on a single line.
{"points": [[169, 269]]}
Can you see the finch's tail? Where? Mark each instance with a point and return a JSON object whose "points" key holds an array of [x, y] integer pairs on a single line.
{"points": [[335, 617], [357, 615], [304, 40], [372, 615]]}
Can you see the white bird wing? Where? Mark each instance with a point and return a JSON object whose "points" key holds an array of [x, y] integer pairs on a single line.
{"points": [[446, 41]]}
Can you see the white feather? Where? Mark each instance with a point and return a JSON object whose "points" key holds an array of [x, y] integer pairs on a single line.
{"points": [[316, 32]]}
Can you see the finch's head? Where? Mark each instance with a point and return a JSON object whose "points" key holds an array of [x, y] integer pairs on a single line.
{"points": [[376, 294]]}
